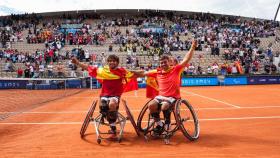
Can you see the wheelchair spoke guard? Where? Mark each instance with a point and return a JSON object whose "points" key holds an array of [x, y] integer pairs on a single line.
{"points": [[188, 120], [130, 117], [88, 118]]}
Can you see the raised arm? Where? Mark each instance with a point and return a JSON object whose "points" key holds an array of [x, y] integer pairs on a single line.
{"points": [[189, 55], [138, 73], [79, 64]]}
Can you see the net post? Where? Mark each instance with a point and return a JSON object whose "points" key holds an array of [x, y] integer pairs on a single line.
{"points": [[65, 83], [90, 83]]}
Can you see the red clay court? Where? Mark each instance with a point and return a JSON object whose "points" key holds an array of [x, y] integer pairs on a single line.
{"points": [[235, 121]]}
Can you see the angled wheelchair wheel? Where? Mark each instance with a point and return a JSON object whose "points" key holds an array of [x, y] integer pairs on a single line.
{"points": [[144, 121], [173, 127], [130, 117], [88, 118], [187, 119]]}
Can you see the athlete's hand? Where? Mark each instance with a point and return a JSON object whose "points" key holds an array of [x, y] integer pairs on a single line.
{"points": [[194, 44], [74, 60]]}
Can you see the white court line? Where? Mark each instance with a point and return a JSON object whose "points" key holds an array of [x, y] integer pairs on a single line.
{"points": [[46, 112], [211, 99], [132, 96], [248, 107], [136, 110], [41, 123], [78, 123], [240, 118], [137, 96], [76, 97]]}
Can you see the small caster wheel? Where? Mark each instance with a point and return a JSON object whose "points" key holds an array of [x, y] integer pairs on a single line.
{"points": [[98, 140], [146, 138], [119, 140], [166, 141]]}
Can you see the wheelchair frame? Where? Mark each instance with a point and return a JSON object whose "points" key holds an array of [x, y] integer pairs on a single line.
{"points": [[167, 134], [100, 120]]}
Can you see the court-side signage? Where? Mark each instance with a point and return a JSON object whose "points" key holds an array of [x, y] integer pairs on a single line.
{"points": [[12, 84], [235, 81], [74, 84], [264, 80], [209, 81]]}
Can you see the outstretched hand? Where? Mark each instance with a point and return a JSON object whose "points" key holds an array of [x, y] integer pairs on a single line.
{"points": [[194, 44], [138, 73], [74, 60], [189, 55]]}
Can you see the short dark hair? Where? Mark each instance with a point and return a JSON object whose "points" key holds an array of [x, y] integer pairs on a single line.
{"points": [[163, 57], [113, 57], [174, 59]]}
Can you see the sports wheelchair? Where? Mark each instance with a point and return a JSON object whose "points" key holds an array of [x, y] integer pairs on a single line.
{"points": [[182, 117], [100, 121]]}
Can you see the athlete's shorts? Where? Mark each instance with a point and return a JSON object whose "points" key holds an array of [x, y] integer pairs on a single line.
{"points": [[108, 98], [159, 99]]}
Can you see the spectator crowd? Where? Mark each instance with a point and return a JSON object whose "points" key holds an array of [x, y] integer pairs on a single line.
{"points": [[235, 39]]}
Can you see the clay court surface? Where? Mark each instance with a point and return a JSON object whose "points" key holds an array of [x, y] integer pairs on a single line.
{"points": [[235, 121]]}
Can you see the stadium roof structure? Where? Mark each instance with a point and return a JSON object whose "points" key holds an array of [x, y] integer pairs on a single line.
{"points": [[262, 9]]}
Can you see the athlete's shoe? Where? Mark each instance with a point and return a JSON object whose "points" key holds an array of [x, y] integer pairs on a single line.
{"points": [[158, 130], [112, 132]]}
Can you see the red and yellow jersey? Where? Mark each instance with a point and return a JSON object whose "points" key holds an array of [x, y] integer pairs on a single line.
{"points": [[167, 83], [114, 81], [239, 67]]}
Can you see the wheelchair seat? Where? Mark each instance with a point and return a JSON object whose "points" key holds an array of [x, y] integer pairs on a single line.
{"points": [[183, 117], [100, 120]]}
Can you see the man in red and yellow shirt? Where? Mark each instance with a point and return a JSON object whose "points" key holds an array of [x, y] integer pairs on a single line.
{"points": [[165, 85], [114, 81]]}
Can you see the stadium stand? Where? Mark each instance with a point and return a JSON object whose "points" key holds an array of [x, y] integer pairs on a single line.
{"points": [[33, 45]]}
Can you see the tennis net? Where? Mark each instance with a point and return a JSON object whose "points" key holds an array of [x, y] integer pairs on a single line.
{"points": [[18, 95]]}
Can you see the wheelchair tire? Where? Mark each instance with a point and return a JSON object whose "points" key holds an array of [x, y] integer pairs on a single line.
{"points": [[144, 112], [88, 118], [187, 119], [140, 119], [130, 117]]}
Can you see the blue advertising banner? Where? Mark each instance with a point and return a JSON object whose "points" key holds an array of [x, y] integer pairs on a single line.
{"points": [[235, 80], [74, 84], [264, 80], [12, 84], [201, 81], [95, 84], [141, 85]]}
